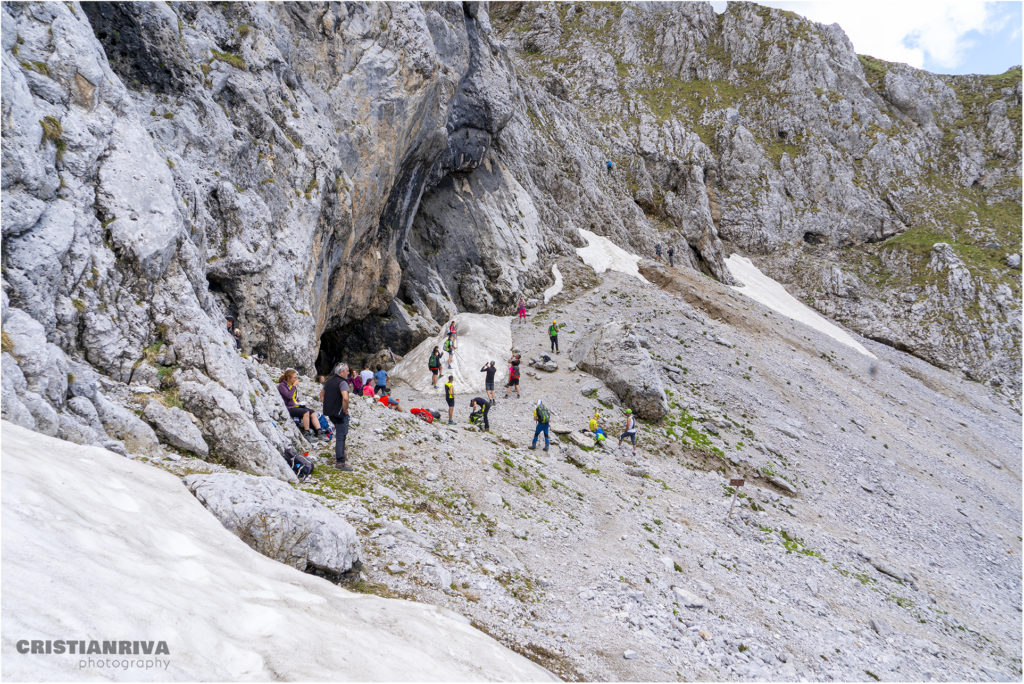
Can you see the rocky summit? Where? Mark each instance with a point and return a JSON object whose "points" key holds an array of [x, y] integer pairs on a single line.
{"points": [[341, 180]]}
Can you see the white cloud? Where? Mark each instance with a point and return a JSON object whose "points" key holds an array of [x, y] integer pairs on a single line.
{"points": [[907, 30]]}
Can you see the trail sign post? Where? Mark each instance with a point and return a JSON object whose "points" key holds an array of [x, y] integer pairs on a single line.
{"points": [[735, 483]]}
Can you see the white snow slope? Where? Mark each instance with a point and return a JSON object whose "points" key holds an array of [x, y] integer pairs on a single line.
{"points": [[601, 254], [763, 289], [480, 338], [557, 287], [96, 546]]}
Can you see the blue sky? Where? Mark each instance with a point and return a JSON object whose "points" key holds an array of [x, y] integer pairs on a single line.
{"points": [[942, 36]]}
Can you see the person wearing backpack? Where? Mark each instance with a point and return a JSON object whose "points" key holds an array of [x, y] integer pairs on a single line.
{"points": [[449, 397], [630, 430], [513, 377], [335, 398], [479, 404], [595, 428], [553, 334], [490, 370], [449, 348], [434, 364], [543, 418]]}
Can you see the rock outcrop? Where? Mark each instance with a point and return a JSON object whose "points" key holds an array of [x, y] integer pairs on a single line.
{"points": [[278, 521]]}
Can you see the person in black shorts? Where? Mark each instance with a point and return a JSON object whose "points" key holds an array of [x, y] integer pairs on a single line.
{"points": [[449, 397], [481, 404], [489, 380], [513, 377]]}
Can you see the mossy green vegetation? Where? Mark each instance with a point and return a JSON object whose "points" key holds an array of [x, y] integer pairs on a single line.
{"points": [[228, 58]]}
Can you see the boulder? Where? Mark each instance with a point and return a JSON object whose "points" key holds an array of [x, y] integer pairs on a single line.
{"points": [[175, 427], [613, 353], [122, 424], [282, 523], [544, 363]]}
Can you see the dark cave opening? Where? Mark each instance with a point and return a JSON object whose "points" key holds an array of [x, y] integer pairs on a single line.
{"points": [[812, 238]]}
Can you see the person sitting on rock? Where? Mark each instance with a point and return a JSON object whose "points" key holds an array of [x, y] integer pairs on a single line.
{"points": [[288, 385], [480, 408], [391, 402], [596, 429]]}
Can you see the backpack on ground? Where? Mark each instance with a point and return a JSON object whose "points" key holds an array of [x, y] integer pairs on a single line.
{"points": [[300, 465], [326, 426], [543, 415]]}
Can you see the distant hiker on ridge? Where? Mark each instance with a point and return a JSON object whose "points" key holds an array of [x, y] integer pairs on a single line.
{"points": [[657, 251], [609, 165], [490, 370], [671, 253]]}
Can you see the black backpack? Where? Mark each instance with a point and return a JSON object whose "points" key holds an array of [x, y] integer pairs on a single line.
{"points": [[300, 465]]}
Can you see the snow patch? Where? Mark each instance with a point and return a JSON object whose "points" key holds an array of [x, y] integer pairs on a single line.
{"points": [[557, 287], [75, 567], [481, 338], [601, 254], [763, 289]]}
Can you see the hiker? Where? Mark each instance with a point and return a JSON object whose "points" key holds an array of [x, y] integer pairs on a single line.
{"points": [[596, 429], [513, 377], [380, 379], [451, 331], [449, 347], [671, 253], [355, 382], [366, 374], [489, 380], [480, 408], [434, 365], [657, 251], [543, 418], [522, 311], [630, 430], [235, 333], [368, 389], [449, 397], [391, 402], [609, 165], [287, 386], [553, 334], [334, 396]]}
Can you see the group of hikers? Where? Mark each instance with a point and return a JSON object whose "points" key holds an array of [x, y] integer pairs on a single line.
{"points": [[671, 254], [344, 383]]}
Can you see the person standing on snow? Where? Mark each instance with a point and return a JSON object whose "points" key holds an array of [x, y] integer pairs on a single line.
{"points": [[434, 364]]}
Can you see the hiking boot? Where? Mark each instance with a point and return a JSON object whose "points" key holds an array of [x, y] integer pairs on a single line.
{"points": [[531, 447], [545, 448], [451, 422], [343, 467]]}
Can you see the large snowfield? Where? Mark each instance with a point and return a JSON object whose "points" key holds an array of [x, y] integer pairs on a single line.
{"points": [[763, 289], [96, 546], [480, 338], [601, 254]]}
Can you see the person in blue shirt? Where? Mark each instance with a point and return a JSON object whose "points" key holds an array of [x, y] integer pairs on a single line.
{"points": [[380, 378]]}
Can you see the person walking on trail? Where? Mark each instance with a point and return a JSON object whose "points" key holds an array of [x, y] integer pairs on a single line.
{"points": [[671, 253], [288, 387], [490, 370], [630, 430], [451, 330], [482, 405], [434, 364], [513, 377], [381, 380], [449, 348], [335, 397], [657, 251], [522, 311], [449, 397], [553, 334], [543, 418], [595, 427]]}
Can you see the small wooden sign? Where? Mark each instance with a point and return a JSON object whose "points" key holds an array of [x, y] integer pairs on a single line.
{"points": [[736, 483]]}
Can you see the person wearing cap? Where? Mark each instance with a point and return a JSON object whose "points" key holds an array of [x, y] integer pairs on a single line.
{"points": [[543, 418], [630, 430], [596, 429], [553, 333]]}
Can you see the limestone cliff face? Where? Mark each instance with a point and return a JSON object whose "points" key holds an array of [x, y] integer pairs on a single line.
{"points": [[340, 177]]}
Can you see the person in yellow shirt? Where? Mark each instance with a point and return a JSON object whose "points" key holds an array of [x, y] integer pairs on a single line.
{"points": [[596, 429], [449, 397]]}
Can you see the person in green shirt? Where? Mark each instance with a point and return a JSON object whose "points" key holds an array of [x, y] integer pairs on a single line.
{"points": [[553, 334]]}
